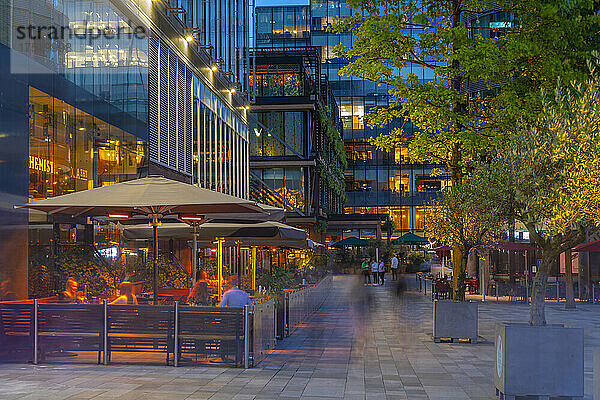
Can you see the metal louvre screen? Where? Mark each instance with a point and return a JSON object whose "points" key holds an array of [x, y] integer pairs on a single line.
{"points": [[170, 108], [188, 122], [162, 104], [153, 98]]}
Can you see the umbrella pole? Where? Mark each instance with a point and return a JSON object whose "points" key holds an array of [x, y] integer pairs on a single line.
{"points": [[194, 255], [220, 267], [155, 263], [253, 264], [239, 263]]}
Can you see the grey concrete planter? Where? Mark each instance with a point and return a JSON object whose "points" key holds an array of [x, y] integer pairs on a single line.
{"points": [[455, 320], [543, 361]]}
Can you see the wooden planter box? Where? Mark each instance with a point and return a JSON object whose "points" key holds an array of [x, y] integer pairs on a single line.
{"points": [[455, 320], [543, 361]]}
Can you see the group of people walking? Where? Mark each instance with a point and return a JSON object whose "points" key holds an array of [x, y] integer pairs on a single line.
{"points": [[371, 267]]}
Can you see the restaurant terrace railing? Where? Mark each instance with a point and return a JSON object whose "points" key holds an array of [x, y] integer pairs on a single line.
{"points": [[43, 330], [35, 332], [300, 304]]}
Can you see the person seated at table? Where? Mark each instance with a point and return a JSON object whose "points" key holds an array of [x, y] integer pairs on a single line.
{"points": [[6, 292], [126, 295], [199, 294], [235, 297], [70, 293], [81, 299]]}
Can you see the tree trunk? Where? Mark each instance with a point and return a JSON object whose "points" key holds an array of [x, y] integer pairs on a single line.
{"points": [[537, 311], [460, 288], [457, 258], [570, 304]]}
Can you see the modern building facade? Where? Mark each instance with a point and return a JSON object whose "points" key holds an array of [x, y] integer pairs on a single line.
{"points": [[376, 182], [296, 151], [94, 93]]}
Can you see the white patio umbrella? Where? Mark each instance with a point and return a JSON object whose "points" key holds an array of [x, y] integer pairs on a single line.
{"points": [[152, 199]]}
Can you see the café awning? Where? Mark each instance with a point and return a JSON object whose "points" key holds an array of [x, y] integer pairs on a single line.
{"points": [[351, 241], [211, 230], [588, 247]]}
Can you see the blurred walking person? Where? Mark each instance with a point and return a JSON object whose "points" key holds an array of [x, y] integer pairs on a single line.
{"points": [[394, 267], [381, 270], [375, 271], [365, 271]]}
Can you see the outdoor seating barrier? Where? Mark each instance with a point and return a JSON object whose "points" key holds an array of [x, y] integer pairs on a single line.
{"points": [[263, 330], [301, 303], [37, 332]]}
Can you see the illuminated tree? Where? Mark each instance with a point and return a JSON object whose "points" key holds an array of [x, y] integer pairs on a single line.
{"points": [[548, 178], [538, 41], [458, 218]]}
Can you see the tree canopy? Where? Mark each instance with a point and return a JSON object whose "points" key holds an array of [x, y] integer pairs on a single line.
{"points": [[548, 177], [509, 60], [460, 219]]}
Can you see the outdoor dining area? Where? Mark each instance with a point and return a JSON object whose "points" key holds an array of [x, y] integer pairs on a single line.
{"points": [[199, 323], [505, 272]]}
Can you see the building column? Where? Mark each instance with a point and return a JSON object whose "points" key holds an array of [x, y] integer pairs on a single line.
{"points": [[412, 218]]}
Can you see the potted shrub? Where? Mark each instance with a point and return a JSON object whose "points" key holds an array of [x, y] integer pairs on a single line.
{"points": [[547, 178]]}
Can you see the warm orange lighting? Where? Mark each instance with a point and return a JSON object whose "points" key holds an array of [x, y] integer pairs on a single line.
{"points": [[273, 249], [120, 216], [189, 38], [213, 250], [191, 218], [244, 248]]}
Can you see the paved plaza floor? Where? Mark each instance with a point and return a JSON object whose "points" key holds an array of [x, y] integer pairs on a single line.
{"points": [[365, 343]]}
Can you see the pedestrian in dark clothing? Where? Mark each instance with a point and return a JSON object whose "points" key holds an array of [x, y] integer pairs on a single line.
{"points": [[365, 271]]}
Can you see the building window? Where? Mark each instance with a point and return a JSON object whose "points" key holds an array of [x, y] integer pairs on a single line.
{"points": [[70, 150]]}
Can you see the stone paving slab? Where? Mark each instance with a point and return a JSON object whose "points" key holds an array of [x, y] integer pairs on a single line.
{"points": [[365, 343]]}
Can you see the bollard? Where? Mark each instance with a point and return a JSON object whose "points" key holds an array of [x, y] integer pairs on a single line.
{"points": [[176, 335], [105, 333], [596, 372], [496, 285], [246, 335], [35, 331]]}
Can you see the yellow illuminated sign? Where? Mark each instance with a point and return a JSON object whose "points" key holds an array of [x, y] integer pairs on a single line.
{"points": [[41, 164]]}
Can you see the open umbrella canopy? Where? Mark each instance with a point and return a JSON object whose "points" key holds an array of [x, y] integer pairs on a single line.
{"points": [[152, 195], [442, 248], [211, 230], [410, 238], [351, 241]]}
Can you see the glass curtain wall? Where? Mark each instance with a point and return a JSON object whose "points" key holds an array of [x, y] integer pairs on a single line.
{"points": [[221, 144]]}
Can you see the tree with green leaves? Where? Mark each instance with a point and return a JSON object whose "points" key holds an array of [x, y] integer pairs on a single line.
{"points": [[548, 178], [460, 219], [537, 42]]}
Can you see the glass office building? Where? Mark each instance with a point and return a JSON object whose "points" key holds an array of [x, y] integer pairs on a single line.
{"points": [[296, 161], [376, 182], [95, 93]]}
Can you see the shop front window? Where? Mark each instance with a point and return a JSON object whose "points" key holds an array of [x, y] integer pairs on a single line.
{"points": [[70, 150]]}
